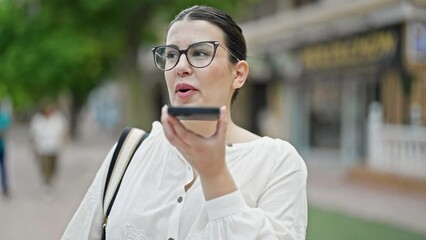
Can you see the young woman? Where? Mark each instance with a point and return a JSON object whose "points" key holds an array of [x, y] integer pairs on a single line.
{"points": [[202, 179]]}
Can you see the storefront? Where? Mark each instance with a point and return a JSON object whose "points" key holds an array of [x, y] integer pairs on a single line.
{"points": [[339, 80], [330, 64]]}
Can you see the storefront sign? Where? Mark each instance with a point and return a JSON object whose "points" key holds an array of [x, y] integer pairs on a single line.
{"points": [[366, 49]]}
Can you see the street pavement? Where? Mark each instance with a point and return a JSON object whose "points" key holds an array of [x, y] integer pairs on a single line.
{"points": [[34, 212], [330, 187], [38, 213]]}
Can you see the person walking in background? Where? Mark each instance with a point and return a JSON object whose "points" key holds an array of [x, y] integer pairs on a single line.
{"points": [[49, 133], [5, 120]]}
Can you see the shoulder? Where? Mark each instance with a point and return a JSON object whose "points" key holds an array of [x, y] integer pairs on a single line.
{"points": [[60, 116], [156, 130], [4, 120], [4, 116], [240, 135], [283, 154], [4, 113], [37, 117], [269, 149]]}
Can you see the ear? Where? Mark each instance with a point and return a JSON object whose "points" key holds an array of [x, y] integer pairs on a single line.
{"points": [[241, 71]]}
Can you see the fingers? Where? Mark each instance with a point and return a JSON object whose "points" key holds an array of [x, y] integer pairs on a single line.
{"points": [[204, 153], [169, 131], [222, 123], [179, 135], [174, 130]]}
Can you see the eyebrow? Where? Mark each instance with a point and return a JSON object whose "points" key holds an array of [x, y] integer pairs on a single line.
{"points": [[191, 44]]}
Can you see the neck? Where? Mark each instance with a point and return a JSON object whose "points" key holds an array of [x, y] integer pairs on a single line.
{"points": [[234, 134], [204, 128], [207, 128]]}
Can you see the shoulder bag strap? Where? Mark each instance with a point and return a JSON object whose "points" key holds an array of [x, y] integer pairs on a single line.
{"points": [[129, 141]]}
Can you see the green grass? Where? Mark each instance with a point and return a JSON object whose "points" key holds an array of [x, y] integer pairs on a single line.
{"points": [[328, 225]]}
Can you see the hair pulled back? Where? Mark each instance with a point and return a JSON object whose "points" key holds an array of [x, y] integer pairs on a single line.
{"points": [[234, 39]]}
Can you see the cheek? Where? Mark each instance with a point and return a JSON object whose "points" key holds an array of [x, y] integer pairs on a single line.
{"points": [[169, 80], [219, 84], [219, 74]]}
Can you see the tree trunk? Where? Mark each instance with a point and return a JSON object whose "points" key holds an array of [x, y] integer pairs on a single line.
{"points": [[139, 96], [139, 102], [76, 106]]}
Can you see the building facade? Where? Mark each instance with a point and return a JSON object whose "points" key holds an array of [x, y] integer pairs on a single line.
{"points": [[318, 68]]}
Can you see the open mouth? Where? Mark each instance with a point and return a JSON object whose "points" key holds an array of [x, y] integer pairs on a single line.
{"points": [[184, 88]]}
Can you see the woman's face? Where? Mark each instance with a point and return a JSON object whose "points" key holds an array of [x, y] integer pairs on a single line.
{"points": [[209, 86]]}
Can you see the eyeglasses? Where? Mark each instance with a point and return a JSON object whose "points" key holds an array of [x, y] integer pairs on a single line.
{"points": [[199, 55]]}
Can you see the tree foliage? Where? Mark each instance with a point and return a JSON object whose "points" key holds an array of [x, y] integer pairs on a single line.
{"points": [[49, 46], [45, 50]]}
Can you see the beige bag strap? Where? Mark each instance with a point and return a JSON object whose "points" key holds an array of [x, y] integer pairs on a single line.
{"points": [[130, 139]]}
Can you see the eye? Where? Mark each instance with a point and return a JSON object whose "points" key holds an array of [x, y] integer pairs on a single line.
{"points": [[172, 54], [199, 53]]}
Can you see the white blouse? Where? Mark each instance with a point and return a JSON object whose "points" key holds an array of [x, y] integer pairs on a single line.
{"points": [[152, 203], [48, 133]]}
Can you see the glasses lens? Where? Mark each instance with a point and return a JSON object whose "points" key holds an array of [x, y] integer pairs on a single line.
{"points": [[201, 54], [166, 57]]}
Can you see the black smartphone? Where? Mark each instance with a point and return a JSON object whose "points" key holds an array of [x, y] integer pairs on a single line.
{"points": [[195, 113]]}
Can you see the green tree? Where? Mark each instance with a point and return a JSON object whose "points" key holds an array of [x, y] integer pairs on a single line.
{"points": [[48, 47]]}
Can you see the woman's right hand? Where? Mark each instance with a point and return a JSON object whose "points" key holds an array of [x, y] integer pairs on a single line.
{"points": [[206, 155]]}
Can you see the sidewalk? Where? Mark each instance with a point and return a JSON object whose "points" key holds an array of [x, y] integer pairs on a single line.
{"points": [[34, 213], [329, 187]]}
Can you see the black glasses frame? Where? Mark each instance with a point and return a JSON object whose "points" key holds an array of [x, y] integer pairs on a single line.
{"points": [[185, 51]]}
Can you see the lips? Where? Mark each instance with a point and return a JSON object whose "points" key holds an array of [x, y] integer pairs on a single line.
{"points": [[184, 90]]}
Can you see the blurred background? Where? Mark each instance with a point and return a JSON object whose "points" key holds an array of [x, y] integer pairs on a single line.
{"points": [[343, 81]]}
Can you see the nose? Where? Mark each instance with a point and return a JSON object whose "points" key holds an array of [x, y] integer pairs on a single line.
{"points": [[183, 67]]}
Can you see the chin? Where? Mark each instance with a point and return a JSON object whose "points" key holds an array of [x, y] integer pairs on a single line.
{"points": [[178, 103]]}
